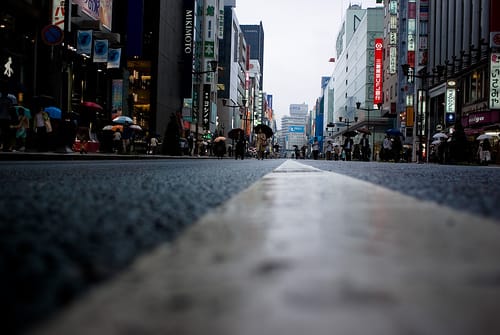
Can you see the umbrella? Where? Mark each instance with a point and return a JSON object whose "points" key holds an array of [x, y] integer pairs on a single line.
{"points": [[220, 138], [54, 112], [135, 127], [12, 98], [329, 139], [485, 136], [113, 127], [123, 119], [26, 111], [436, 142], [265, 129], [44, 100], [439, 135], [364, 131], [234, 133], [393, 132], [91, 105], [350, 133]]}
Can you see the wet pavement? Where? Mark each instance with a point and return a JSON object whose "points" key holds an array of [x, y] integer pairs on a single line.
{"points": [[272, 260]]}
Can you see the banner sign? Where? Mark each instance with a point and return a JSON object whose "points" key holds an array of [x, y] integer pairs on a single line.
{"points": [[206, 107], [84, 42], [114, 56], [378, 71], [100, 51], [495, 81]]}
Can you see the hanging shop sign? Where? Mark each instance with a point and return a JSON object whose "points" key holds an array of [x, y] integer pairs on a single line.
{"points": [[495, 81], [206, 106], [52, 35]]}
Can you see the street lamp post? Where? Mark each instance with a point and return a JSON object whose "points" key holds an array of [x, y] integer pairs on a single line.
{"points": [[368, 109], [242, 106], [420, 116]]}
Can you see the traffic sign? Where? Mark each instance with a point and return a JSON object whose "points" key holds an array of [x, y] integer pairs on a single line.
{"points": [[52, 35]]}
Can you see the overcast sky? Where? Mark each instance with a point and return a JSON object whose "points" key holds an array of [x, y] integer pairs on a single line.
{"points": [[299, 39]]}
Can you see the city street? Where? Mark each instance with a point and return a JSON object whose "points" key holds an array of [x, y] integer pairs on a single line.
{"points": [[70, 226]]}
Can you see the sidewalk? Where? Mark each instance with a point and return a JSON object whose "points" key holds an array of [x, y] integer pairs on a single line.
{"points": [[51, 155], [296, 254]]}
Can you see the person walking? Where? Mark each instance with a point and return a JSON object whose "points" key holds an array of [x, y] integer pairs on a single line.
{"points": [[5, 119], [261, 144], [42, 128], [117, 141], [21, 130], [153, 142], [240, 146], [348, 145], [364, 143], [485, 153], [329, 150], [386, 149], [315, 149]]}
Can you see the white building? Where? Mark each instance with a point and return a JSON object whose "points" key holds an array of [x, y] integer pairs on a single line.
{"points": [[354, 71], [294, 127]]}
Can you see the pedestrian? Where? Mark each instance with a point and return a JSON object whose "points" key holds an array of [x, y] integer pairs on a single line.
{"points": [[297, 152], [485, 153], [303, 151], [386, 149], [153, 143], [348, 145], [364, 143], [329, 150], [117, 141], [126, 136], [42, 129], [315, 149], [261, 144], [21, 130], [397, 146], [336, 151], [240, 146], [5, 119]]}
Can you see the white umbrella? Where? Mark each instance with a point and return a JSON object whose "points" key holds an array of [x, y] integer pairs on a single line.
{"points": [[436, 142], [439, 135], [123, 119], [485, 136], [135, 127]]}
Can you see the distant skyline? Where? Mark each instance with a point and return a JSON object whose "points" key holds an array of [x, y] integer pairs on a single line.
{"points": [[299, 40]]}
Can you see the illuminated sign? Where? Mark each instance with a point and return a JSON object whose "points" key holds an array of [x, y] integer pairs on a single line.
{"points": [[296, 129], [393, 61], [495, 81], [378, 76], [451, 94]]}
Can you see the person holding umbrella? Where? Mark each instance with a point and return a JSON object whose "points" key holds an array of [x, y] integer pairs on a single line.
{"points": [[261, 144]]}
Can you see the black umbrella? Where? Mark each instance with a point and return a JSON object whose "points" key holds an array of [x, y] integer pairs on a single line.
{"points": [[350, 133], [265, 129], [235, 133], [44, 100]]}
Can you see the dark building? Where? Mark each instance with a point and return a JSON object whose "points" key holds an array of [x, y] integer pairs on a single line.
{"points": [[254, 35]]}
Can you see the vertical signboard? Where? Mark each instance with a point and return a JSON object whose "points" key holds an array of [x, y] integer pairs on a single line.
{"points": [[187, 49], [495, 81], [206, 106], [378, 77]]}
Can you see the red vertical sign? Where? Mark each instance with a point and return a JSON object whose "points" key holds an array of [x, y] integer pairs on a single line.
{"points": [[378, 72]]}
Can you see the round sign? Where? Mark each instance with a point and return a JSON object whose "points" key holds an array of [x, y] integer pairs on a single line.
{"points": [[52, 35]]}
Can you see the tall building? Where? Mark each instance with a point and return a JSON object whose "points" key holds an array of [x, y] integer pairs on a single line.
{"points": [[254, 35], [232, 85], [294, 127], [356, 69]]}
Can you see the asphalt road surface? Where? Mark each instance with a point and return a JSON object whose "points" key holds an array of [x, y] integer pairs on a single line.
{"points": [[65, 226]]}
